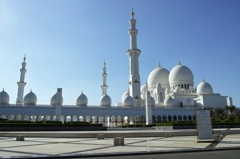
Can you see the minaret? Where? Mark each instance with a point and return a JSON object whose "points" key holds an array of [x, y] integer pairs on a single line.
{"points": [[21, 83], [104, 75], [133, 54]]}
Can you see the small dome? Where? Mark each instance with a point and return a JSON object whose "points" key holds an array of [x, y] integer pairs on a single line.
{"points": [[204, 88], [124, 95], [180, 74], [30, 99], [105, 101], [54, 100], [144, 88], [82, 100], [169, 102], [128, 101], [4, 97], [152, 102], [158, 75], [188, 102]]}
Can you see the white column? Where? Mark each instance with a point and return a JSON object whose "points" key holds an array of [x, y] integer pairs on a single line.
{"points": [[104, 75], [21, 83], [133, 54], [58, 111], [148, 108]]}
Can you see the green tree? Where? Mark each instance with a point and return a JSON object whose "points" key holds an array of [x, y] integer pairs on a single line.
{"points": [[219, 113], [231, 109]]}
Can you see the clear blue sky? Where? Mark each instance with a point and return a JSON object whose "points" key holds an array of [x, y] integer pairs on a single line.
{"points": [[66, 43]]}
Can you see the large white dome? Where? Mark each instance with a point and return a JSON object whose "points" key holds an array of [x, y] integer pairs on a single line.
{"points": [[105, 101], [188, 102], [30, 99], [82, 100], [158, 75], [128, 100], [4, 97], [54, 100], [124, 95], [169, 102], [180, 74], [204, 88]]}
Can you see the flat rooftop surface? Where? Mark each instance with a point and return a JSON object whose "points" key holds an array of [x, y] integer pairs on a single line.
{"points": [[63, 147]]}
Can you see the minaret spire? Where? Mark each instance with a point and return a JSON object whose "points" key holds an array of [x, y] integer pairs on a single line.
{"points": [[21, 83], [104, 75], [133, 54]]}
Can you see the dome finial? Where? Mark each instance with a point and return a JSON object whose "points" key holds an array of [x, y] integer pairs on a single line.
{"points": [[159, 65], [24, 58], [179, 62], [3, 89], [203, 80], [82, 92], [31, 90], [132, 14]]}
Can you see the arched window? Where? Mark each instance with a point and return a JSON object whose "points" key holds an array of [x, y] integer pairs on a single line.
{"points": [[174, 118], [164, 118], [159, 118], [181, 85], [154, 119], [189, 117], [180, 118], [184, 118], [169, 118]]}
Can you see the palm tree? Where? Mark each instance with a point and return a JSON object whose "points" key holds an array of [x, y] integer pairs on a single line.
{"points": [[230, 109], [219, 113]]}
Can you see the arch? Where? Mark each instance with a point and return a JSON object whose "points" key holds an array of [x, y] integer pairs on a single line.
{"points": [[131, 119], [143, 118], [88, 118], [154, 119], [159, 118], [68, 118], [54, 117], [19, 117], [174, 118], [75, 118], [11, 117], [47, 117], [100, 119], [94, 119], [62, 118], [107, 120], [125, 120], [33, 118], [3, 116], [164, 118], [81, 118], [40, 117], [136, 119], [26, 117], [180, 118], [184, 117], [189, 117], [169, 118], [119, 120]]}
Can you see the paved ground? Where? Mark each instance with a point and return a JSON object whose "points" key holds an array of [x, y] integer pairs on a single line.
{"points": [[57, 147]]}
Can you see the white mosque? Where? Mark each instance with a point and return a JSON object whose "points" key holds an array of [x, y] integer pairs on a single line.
{"points": [[170, 95]]}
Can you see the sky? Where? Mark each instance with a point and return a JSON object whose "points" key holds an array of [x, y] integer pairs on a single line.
{"points": [[66, 43]]}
